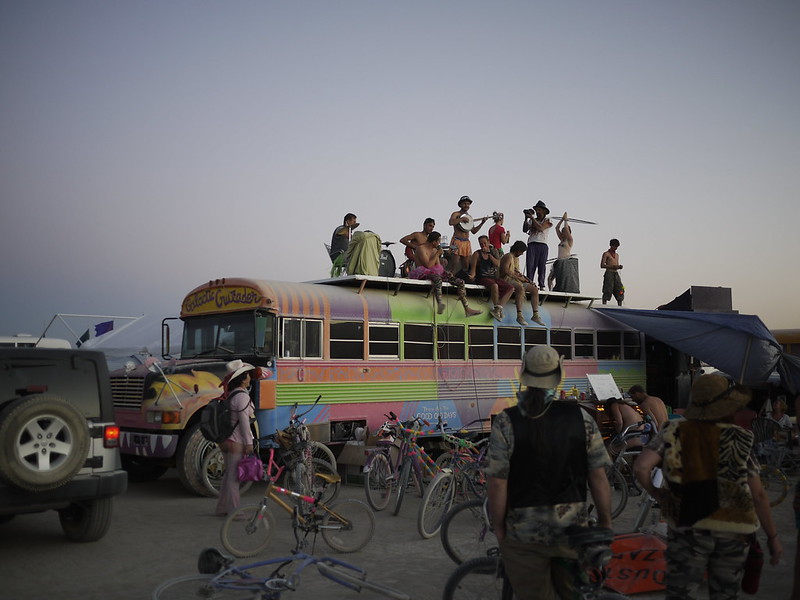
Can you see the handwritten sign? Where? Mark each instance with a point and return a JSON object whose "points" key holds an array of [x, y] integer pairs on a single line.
{"points": [[604, 385]]}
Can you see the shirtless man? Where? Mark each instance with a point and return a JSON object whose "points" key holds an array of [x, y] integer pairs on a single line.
{"points": [[650, 405], [509, 271], [426, 257], [624, 415], [564, 233], [416, 239], [462, 249], [483, 269], [612, 282]]}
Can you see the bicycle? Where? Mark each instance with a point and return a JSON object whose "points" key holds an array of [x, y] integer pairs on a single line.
{"points": [[484, 577], [772, 456], [466, 532], [390, 466], [463, 479], [220, 579], [620, 472], [346, 526]]}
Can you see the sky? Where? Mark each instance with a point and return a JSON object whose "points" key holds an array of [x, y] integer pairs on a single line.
{"points": [[148, 147]]}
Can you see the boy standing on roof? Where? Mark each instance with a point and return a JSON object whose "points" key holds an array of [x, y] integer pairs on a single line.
{"points": [[612, 282], [459, 220]]}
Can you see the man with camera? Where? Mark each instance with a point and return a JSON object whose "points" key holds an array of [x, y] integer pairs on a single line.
{"points": [[536, 225]]}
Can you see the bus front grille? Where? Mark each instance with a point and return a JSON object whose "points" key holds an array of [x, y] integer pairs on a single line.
{"points": [[127, 392]]}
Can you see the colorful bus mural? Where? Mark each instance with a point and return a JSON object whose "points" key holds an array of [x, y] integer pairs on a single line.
{"points": [[367, 345]]}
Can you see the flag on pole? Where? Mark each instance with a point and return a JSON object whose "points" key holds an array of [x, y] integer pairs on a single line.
{"points": [[84, 338], [103, 327]]}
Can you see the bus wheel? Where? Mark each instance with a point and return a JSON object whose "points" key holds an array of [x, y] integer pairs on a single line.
{"points": [[191, 451]]}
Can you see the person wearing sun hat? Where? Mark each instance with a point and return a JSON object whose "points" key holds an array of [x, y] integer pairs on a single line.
{"points": [[237, 380], [461, 249], [542, 454], [713, 499]]}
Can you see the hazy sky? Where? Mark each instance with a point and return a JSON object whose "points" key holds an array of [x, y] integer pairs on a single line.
{"points": [[147, 147]]}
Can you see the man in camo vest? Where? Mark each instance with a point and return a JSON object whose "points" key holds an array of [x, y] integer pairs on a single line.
{"points": [[542, 454]]}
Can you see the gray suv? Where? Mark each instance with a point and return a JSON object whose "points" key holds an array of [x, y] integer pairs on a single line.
{"points": [[59, 446]]}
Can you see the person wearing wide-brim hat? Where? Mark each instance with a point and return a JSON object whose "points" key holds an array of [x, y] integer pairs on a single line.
{"points": [[238, 378], [713, 500], [536, 225], [543, 454], [461, 248]]}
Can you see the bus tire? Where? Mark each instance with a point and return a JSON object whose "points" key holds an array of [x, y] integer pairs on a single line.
{"points": [[192, 449]]}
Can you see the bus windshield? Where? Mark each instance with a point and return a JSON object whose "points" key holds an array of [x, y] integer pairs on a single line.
{"points": [[228, 335]]}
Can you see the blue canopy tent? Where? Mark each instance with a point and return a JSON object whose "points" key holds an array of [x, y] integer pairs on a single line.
{"points": [[739, 345]]}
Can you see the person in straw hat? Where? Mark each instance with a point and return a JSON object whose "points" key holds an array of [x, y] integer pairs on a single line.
{"points": [[240, 443], [542, 454], [713, 499]]}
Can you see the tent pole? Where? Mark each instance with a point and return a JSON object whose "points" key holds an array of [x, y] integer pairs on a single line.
{"points": [[746, 358]]}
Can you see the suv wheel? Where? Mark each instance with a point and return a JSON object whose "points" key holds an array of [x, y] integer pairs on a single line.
{"points": [[86, 521], [43, 442]]}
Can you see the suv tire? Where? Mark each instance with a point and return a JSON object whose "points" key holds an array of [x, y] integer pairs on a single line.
{"points": [[43, 442], [86, 521]]}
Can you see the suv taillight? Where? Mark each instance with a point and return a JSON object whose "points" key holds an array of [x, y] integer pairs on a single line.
{"points": [[111, 436]]}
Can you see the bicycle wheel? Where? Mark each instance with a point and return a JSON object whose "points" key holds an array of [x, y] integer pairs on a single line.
{"points": [[340, 573], [465, 532], [247, 530], [347, 526], [445, 459], [212, 471], [471, 482], [197, 586], [321, 451], [378, 482], [775, 484], [478, 579], [619, 491], [296, 475], [402, 484], [437, 501]]}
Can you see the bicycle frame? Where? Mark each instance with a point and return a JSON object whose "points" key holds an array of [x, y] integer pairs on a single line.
{"points": [[274, 492]]}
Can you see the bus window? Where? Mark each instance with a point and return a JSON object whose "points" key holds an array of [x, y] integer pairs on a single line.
{"points": [[584, 344], [609, 345], [632, 341], [535, 337], [561, 340], [384, 340], [218, 335], [481, 343], [302, 338], [509, 343], [450, 342], [347, 339], [265, 334], [418, 341]]}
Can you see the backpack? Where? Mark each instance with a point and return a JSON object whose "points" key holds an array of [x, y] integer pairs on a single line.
{"points": [[215, 420]]}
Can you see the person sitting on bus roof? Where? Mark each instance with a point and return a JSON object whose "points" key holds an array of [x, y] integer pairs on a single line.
{"points": [[509, 271], [483, 270], [341, 236], [416, 239], [428, 267]]}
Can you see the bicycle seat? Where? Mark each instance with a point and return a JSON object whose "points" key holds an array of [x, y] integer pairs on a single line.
{"points": [[212, 561], [580, 536]]}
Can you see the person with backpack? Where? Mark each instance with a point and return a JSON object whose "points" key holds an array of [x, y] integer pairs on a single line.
{"points": [[240, 441]]}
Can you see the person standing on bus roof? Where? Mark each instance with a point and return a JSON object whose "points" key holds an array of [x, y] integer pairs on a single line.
{"points": [[542, 456], [429, 267], [342, 235], [509, 271], [497, 233], [462, 248], [240, 443], [612, 282], [536, 225]]}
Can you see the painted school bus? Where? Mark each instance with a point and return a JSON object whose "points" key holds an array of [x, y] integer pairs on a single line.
{"points": [[367, 346]]}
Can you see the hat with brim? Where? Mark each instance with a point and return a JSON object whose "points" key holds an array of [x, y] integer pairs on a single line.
{"points": [[464, 199], [541, 368], [236, 368], [715, 397], [541, 205]]}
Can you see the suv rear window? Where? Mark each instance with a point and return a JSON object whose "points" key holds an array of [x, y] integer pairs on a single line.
{"points": [[73, 378]]}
